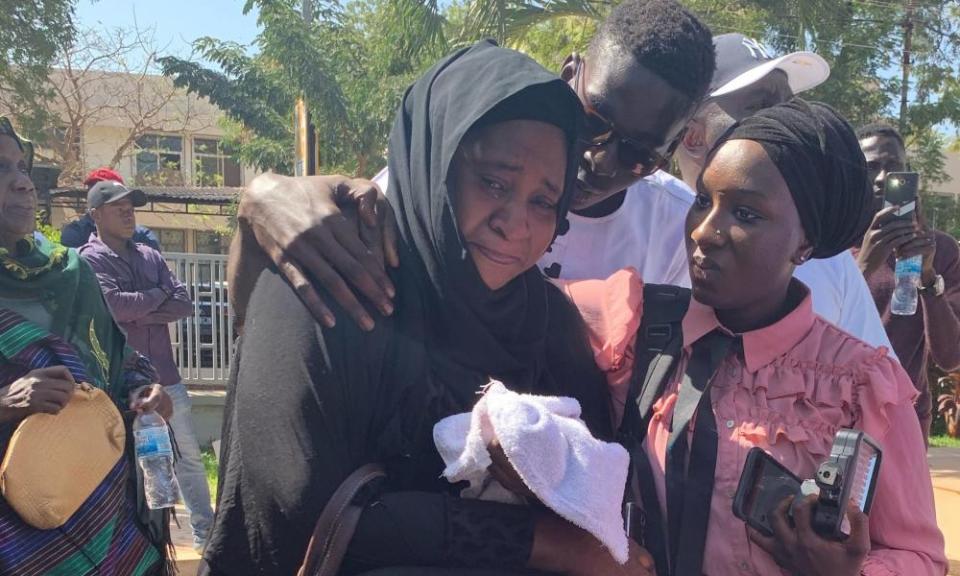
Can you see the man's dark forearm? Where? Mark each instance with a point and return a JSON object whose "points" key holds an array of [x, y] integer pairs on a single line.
{"points": [[244, 264], [942, 329]]}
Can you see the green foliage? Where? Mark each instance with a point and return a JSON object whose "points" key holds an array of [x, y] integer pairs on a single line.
{"points": [[942, 213], [944, 441], [211, 469], [353, 59], [33, 31], [348, 63], [552, 41], [863, 43], [252, 93], [48, 231]]}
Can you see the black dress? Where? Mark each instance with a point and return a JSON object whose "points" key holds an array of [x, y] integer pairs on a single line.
{"points": [[308, 406], [297, 424]]}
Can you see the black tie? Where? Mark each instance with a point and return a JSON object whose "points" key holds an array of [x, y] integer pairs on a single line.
{"points": [[689, 480]]}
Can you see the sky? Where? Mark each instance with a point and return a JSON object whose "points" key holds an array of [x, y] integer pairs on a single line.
{"points": [[176, 23]]}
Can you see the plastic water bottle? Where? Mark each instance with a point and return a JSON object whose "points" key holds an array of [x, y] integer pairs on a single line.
{"points": [[907, 278], [155, 456]]}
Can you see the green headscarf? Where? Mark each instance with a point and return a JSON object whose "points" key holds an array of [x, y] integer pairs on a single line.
{"points": [[67, 287]]}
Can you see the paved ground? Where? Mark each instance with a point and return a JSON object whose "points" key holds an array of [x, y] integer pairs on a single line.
{"points": [[944, 469], [187, 559]]}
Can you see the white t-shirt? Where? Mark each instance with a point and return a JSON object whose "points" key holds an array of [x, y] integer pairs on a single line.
{"points": [[647, 233], [651, 216]]}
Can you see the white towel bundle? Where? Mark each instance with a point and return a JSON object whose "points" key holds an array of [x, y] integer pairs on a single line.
{"points": [[577, 476]]}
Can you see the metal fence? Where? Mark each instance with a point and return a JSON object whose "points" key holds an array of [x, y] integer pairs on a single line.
{"points": [[203, 342]]}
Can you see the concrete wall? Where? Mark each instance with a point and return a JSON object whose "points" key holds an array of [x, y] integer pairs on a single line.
{"points": [[952, 168], [207, 414]]}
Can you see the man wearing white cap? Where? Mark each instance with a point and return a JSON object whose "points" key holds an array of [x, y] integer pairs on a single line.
{"points": [[746, 81]]}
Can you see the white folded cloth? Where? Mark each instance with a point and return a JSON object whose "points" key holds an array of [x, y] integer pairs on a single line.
{"points": [[577, 476]]}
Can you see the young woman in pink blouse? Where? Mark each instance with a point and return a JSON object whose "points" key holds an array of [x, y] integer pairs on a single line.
{"points": [[783, 186]]}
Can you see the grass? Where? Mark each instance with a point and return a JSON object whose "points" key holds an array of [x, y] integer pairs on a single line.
{"points": [[210, 466], [944, 442]]}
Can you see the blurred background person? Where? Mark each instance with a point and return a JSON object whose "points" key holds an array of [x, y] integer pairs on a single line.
{"points": [[75, 234], [933, 332]]}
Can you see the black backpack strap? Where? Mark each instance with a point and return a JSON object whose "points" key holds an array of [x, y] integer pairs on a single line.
{"points": [[659, 345]]}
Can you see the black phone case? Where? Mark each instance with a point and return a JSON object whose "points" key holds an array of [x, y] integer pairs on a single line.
{"points": [[748, 479], [904, 194]]}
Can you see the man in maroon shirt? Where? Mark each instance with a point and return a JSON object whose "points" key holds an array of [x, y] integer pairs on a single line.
{"points": [[934, 331]]}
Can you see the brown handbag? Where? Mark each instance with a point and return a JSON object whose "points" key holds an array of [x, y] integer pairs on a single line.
{"points": [[337, 522]]}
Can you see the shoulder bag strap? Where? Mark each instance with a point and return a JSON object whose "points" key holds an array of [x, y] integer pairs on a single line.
{"points": [[337, 522]]}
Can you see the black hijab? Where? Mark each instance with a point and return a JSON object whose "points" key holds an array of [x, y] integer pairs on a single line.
{"points": [[819, 156], [500, 333]]}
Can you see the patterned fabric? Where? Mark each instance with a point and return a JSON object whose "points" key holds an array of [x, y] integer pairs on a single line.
{"points": [[33, 262], [26, 346], [103, 536], [66, 286], [495, 536]]}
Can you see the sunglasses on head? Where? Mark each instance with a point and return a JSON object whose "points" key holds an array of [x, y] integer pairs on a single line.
{"points": [[638, 157]]}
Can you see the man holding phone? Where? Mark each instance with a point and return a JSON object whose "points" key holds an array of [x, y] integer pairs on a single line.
{"points": [[933, 332]]}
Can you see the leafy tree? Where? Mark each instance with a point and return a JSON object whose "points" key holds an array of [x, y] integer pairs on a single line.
{"points": [[350, 66], [33, 32], [552, 41], [102, 76]]}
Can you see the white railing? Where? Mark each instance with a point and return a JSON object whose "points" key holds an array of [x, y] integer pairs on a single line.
{"points": [[203, 342]]}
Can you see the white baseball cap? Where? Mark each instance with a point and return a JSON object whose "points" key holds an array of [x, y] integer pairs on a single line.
{"points": [[741, 61]]}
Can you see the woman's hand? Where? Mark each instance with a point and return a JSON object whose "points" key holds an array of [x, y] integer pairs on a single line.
{"points": [[561, 547], [46, 390], [799, 549], [503, 472], [152, 398], [297, 222]]}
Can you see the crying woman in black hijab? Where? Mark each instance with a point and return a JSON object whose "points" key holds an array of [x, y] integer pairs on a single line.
{"points": [[482, 159]]}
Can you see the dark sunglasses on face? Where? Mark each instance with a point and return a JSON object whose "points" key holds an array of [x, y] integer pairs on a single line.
{"points": [[639, 158]]}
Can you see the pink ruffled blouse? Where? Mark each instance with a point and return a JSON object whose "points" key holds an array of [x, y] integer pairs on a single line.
{"points": [[797, 382]]}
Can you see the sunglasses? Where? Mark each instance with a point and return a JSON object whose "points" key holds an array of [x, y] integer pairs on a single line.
{"points": [[638, 157]]}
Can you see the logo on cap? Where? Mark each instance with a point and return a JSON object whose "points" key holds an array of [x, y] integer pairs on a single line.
{"points": [[756, 49]]}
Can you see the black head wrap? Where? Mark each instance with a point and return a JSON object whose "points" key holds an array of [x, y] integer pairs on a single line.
{"points": [[500, 333], [819, 156], [6, 129]]}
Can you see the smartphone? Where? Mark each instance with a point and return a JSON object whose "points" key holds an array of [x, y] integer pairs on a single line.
{"points": [[900, 189], [763, 485]]}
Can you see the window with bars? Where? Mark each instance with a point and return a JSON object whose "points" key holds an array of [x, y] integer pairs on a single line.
{"points": [[159, 160], [213, 164], [172, 240], [207, 242]]}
